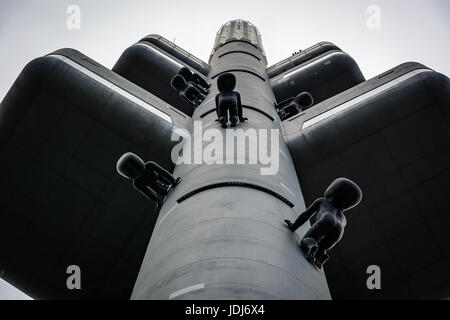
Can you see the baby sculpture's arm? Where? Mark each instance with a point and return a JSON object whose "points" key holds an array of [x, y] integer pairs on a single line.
{"points": [[217, 104], [305, 216], [241, 117]]}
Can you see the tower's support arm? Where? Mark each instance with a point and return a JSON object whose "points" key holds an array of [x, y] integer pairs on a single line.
{"points": [[391, 134], [63, 125], [152, 63], [300, 58], [323, 77], [175, 51]]}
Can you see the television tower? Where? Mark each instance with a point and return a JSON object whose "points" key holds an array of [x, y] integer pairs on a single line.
{"points": [[229, 242]]}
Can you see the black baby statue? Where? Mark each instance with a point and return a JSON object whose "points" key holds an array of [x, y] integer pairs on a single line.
{"points": [[294, 105], [188, 75], [188, 90], [328, 228], [228, 101], [149, 178]]}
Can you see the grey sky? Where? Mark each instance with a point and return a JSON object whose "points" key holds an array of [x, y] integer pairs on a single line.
{"points": [[411, 30]]}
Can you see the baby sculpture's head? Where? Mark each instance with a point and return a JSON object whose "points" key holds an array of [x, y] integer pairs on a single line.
{"points": [[305, 100], [178, 83], [130, 166], [226, 82], [185, 73], [344, 194]]}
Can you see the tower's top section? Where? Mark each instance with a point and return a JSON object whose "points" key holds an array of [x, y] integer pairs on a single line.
{"points": [[238, 30]]}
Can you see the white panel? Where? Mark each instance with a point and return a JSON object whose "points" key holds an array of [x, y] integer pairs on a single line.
{"points": [[362, 97], [115, 88]]}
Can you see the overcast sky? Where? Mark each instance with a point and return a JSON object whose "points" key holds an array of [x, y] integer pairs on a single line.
{"points": [[409, 30]]}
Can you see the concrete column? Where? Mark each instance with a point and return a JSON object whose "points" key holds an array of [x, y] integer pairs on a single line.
{"points": [[220, 233]]}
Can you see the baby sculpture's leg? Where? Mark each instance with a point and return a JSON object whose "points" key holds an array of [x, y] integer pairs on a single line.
{"points": [[309, 247], [150, 193], [309, 243], [234, 115], [157, 197], [222, 112], [327, 242], [321, 257], [316, 236], [159, 186]]}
